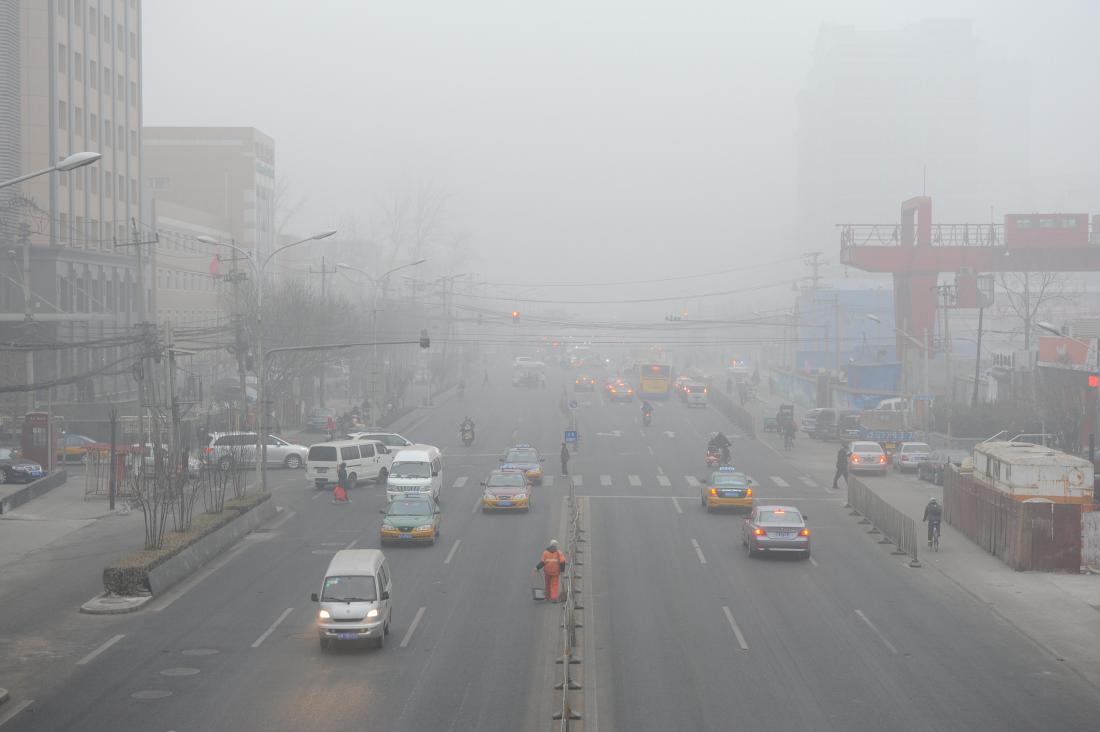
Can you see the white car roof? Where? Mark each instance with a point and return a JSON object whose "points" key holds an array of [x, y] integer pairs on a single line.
{"points": [[866, 447]]}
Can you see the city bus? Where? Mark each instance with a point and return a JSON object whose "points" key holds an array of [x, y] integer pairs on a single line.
{"points": [[654, 380]]}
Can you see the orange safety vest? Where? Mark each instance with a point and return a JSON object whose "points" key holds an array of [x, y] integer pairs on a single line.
{"points": [[552, 561]]}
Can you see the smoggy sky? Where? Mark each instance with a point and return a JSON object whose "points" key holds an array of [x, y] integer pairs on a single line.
{"points": [[574, 140]]}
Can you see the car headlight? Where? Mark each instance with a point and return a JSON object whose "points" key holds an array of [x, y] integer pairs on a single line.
{"points": [[372, 613], [520, 497], [425, 527], [324, 615], [387, 525]]}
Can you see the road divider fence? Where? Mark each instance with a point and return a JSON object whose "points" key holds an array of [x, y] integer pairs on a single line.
{"points": [[567, 713], [894, 526]]}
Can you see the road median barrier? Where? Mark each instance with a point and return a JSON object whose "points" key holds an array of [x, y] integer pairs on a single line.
{"points": [[895, 527], [151, 572], [571, 587], [11, 497]]}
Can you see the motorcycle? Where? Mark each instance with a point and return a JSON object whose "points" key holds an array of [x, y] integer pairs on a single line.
{"points": [[467, 437], [647, 418], [714, 458]]}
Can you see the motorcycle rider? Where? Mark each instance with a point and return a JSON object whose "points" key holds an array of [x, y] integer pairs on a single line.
{"points": [[647, 411], [933, 514], [719, 443], [467, 426]]}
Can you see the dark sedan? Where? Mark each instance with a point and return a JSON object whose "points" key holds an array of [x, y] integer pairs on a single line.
{"points": [[18, 470], [931, 468]]}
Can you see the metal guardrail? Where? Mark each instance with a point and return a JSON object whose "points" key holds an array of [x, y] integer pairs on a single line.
{"points": [[895, 527], [572, 588]]}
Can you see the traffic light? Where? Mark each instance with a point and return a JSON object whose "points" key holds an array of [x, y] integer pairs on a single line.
{"points": [[515, 316], [1094, 381]]}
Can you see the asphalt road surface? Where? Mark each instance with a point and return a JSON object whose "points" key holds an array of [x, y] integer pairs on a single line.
{"points": [[686, 631]]}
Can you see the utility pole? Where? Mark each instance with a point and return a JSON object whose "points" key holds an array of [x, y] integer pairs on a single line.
{"points": [[28, 309], [815, 263], [978, 360], [324, 272], [145, 373]]}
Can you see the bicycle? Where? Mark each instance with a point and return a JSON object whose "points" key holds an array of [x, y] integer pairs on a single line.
{"points": [[935, 542]]}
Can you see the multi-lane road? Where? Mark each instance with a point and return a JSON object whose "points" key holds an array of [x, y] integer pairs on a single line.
{"points": [[683, 630]]}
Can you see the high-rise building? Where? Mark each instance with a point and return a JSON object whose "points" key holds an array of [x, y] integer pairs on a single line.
{"points": [[889, 114], [70, 81], [225, 171]]}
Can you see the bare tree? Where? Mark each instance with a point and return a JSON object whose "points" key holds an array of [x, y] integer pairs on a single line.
{"points": [[1028, 292]]}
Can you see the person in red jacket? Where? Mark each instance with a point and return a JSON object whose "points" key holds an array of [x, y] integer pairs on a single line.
{"points": [[552, 565]]}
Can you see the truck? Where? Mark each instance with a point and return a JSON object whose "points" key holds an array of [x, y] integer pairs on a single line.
{"points": [[887, 427]]}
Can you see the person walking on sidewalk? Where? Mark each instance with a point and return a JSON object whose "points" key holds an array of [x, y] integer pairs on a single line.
{"points": [[933, 514], [842, 456], [552, 565], [564, 459], [789, 431]]}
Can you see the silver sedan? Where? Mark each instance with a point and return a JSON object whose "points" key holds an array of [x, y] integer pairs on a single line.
{"points": [[776, 529]]}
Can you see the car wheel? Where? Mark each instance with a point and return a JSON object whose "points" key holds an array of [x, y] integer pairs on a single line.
{"points": [[383, 474], [381, 642], [292, 462], [750, 551], [225, 463]]}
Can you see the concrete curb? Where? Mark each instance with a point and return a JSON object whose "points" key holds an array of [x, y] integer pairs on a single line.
{"points": [[4, 696], [32, 490], [105, 604]]}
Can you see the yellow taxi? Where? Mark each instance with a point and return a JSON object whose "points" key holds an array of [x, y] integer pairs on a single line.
{"points": [[727, 488], [72, 448], [525, 459], [506, 490]]}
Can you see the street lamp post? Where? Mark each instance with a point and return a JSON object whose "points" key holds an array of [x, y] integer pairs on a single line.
{"points": [[72, 162], [1096, 415], [261, 377], [379, 282]]}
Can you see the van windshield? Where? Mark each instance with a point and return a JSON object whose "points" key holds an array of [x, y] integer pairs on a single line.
{"points": [[349, 589], [323, 453], [410, 470]]}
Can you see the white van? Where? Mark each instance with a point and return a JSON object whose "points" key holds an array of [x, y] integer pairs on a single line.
{"points": [[355, 599], [695, 394], [416, 469], [365, 460]]}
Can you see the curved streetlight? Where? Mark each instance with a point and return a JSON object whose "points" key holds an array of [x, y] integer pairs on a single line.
{"points": [[261, 379], [72, 162]]}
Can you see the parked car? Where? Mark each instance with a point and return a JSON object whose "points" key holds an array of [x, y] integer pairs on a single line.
{"points": [[318, 418], [73, 448], [19, 470], [910, 455], [867, 457], [227, 448], [933, 468]]}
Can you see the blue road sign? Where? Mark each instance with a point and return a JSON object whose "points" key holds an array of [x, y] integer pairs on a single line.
{"points": [[570, 435]]}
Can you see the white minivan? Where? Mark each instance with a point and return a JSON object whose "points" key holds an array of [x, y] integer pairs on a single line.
{"points": [[355, 599], [364, 460], [417, 469]]}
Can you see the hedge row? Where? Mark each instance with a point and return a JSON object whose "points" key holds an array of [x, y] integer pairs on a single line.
{"points": [[129, 575]]}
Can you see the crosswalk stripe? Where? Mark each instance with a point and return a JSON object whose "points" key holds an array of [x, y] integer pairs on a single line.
{"points": [[692, 481], [548, 481], [605, 480], [809, 482], [780, 482], [459, 482], [634, 480], [578, 480], [663, 481]]}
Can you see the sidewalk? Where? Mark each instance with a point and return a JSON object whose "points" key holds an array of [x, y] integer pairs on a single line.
{"points": [[1057, 611]]}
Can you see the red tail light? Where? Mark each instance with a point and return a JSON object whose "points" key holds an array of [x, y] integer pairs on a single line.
{"points": [[208, 450], [804, 532]]}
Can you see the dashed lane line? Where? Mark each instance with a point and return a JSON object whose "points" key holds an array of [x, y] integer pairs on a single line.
{"points": [[460, 482], [692, 481], [91, 656], [676, 505], [634, 480], [451, 554], [663, 481], [578, 481], [736, 628], [605, 480], [699, 552], [780, 482], [808, 481], [877, 632], [548, 481], [271, 629], [813, 561], [412, 627]]}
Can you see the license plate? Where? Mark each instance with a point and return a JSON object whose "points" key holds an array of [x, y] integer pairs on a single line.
{"points": [[404, 536], [321, 470], [504, 503], [347, 636], [783, 534], [733, 494], [890, 445]]}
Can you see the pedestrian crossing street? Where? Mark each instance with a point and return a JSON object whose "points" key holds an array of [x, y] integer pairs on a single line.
{"points": [[638, 481]]}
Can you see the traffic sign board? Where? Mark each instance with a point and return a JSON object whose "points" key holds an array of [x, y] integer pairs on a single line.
{"points": [[570, 435]]}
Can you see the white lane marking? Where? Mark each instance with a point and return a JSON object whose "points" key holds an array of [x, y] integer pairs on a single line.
{"points": [[91, 656], [663, 481], [316, 495], [271, 629], [634, 480], [352, 544], [809, 482], [451, 554], [699, 552], [650, 448], [578, 480], [415, 622], [182, 589], [660, 470], [477, 505], [605, 480], [692, 481], [459, 482], [548, 481], [780, 482], [676, 504], [15, 710], [287, 516], [736, 629], [876, 631], [813, 561]]}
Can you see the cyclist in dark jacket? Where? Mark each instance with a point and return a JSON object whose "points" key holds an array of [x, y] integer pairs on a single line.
{"points": [[933, 514]]}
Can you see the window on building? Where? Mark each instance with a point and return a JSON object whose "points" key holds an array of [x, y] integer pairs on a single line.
{"points": [[120, 140], [93, 180], [133, 44], [108, 183], [106, 29], [121, 87], [63, 225], [78, 120], [62, 59], [107, 132], [62, 7], [78, 179], [78, 12], [106, 79], [78, 66], [133, 190], [62, 114], [133, 94], [133, 141], [93, 74], [78, 230], [120, 37], [93, 127], [93, 229], [121, 187], [93, 21], [63, 178]]}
